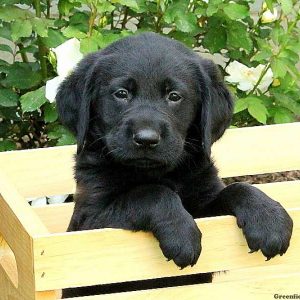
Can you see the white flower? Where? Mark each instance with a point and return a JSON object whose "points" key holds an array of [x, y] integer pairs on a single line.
{"points": [[246, 77], [57, 199], [67, 56], [268, 16]]}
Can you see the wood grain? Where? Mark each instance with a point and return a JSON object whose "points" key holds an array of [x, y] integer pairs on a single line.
{"points": [[17, 225], [241, 151], [258, 150], [247, 290], [111, 255], [57, 217]]}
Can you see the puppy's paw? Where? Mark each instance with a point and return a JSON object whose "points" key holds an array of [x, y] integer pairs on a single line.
{"points": [[180, 241], [267, 227]]}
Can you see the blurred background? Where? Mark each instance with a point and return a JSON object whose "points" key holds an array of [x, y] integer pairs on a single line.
{"points": [[255, 43]]}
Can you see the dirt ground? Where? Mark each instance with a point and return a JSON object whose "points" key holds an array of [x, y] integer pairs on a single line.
{"points": [[265, 178]]}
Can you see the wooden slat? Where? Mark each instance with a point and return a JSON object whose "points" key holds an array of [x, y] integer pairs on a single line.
{"points": [[253, 273], [241, 151], [17, 225], [258, 150], [40, 172], [57, 217], [287, 192], [246, 290], [112, 255], [18, 209]]}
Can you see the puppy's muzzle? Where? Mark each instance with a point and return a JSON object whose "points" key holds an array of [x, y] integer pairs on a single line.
{"points": [[146, 138]]}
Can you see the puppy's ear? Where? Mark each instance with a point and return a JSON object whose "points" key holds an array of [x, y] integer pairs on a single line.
{"points": [[73, 100], [216, 107]]}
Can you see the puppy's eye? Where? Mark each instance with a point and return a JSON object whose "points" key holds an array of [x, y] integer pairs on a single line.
{"points": [[121, 94], [174, 97]]}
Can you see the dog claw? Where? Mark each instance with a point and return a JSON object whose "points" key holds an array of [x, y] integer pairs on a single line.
{"points": [[251, 251], [268, 258]]}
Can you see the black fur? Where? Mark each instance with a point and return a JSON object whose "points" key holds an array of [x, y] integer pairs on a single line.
{"points": [[123, 184]]}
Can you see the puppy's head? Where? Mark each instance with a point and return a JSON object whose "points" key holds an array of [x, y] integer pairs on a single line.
{"points": [[145, 101]]}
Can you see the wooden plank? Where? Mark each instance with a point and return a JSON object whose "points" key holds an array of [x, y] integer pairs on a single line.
{"points": [[253, 273], [258, 150], [246, 290], [112, 255], [57, 217], [287, 192], [253, 150], [19, 208], [16, 228], [40, 172]]}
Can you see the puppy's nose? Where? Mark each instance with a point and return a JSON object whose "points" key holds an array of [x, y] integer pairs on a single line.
{"points": [[146, 137]]}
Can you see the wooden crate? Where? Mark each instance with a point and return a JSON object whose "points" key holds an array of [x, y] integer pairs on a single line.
{"points": [[37, 256]]}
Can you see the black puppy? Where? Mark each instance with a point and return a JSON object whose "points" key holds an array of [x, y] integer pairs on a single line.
{"points": [[145, 112]]}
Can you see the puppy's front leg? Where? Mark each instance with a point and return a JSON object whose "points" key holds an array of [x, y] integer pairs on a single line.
{"points": [[150, 207], [265, 223], [178, 235]]}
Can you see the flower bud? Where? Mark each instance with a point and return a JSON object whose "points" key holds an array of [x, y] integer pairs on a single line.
{"points": [[268, 16]]}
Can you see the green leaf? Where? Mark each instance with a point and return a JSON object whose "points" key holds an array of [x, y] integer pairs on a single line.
{"points": [[50, 113], [9, 2], [286, 5], [10, 13], [270, 5], [66, 139], [287, 102], [105, 7], [54, 38], [5, 48], [215, 39], [236, 11], [40, 27], [186, 22], [88, 44], [21, 76], [172, 11], [31, 101], [187, 39], [5, 31], [7, 145], [142, 6], [64, 136], [240, 105], [130, 3], [290, 66], [103, 40], [238, 36], [72, 31], [262, 55], [8, 98], [64, 6], [277, 34], [29, 49], [56, 131], [282, 115], [213, 7], [289, 55], [278, 67], [20, 28], [258, 111]]}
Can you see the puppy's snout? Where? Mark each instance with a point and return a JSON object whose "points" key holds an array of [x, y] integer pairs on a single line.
{"points": [[146, 137]]}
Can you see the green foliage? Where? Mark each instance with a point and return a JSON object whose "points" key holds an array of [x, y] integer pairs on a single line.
{"points": [[223, 27]]}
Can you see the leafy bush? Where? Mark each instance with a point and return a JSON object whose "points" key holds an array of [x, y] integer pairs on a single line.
{"points": [[259, 53]]}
